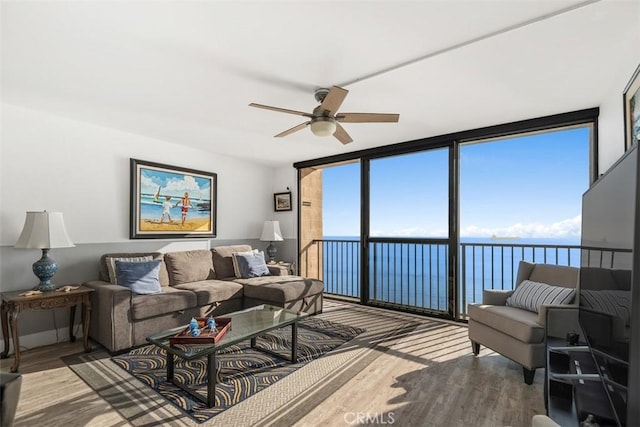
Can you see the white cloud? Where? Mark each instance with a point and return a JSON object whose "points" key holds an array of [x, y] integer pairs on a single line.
{"points": [[407, 232], [561, 229], [188, 184], [174, 187], [148, 185], [566, 228]]}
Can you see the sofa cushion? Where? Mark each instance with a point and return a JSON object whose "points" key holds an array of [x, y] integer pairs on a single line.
{"points": [[104, 270], [280, 288], [555, 275], [168, 301], [140, 277], [251, 264], [516, 322], [189, 266], [212, 291], [531, 295], [222, 259]]}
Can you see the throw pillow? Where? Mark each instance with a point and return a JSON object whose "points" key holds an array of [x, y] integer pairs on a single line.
{"points": [[142, 277], [531, 295], [111, 265], [236, 269], [252, 265], [617, 303]]}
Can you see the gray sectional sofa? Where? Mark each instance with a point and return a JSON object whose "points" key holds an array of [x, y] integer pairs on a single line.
{"points": [[193, 283]]}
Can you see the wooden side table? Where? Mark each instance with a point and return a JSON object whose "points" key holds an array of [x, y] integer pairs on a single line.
{"points": [[286, 267], [13, 304]]}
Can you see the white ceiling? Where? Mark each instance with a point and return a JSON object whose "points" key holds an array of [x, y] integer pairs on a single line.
{"points": [[185, 71]]}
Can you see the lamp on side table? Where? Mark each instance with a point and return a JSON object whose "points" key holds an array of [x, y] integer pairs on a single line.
{"points": [[44, 230], [271, 233]]}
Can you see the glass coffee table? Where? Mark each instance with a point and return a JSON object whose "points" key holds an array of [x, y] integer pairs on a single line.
{"points": [[245, 325]]}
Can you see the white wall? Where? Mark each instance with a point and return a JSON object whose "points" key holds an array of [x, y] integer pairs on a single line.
{"points": [[287, 177], [82, 170], [611, 120], [54, 163]]}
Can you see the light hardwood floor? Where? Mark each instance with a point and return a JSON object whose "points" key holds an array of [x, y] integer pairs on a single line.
{"points": [[428, 378]]}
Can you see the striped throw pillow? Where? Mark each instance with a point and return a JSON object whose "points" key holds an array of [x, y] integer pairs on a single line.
{"points": [[531, 295]]}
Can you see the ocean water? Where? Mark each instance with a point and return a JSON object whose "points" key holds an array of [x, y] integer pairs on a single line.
{"points": [[417, 274]]}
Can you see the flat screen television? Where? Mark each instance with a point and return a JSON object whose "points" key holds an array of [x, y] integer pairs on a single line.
{"points": [[609, 293]]}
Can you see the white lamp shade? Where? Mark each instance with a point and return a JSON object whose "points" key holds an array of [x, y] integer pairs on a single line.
{"points": [[271, 232], [44, 230]]}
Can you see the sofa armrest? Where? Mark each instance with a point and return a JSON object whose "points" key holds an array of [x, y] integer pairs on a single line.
{"points": [[101, 284], [111, 323], [558, 320], [495, 296], [278, 270]]}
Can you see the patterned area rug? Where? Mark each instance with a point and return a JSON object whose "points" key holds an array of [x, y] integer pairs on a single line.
{"points": [[243, 371], [281, 404]]}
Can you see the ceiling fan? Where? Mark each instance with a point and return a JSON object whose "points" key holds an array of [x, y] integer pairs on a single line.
{"points": [[325, 119]]}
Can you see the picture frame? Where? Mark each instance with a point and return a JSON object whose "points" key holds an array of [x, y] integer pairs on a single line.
{"points": [[171, 201], [282, 201], [631, 99]]}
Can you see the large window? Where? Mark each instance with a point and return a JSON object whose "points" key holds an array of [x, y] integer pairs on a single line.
{"points": [[520, 199], [425, 226], [410, 195]]}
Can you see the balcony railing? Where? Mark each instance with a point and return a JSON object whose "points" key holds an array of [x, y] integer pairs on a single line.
{"points": [[410, 273], [495, 265], [413, 273], [341, 266]]}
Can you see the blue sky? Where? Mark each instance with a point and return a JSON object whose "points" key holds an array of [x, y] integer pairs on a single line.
{"points": [[174, 184], [529, 186]]}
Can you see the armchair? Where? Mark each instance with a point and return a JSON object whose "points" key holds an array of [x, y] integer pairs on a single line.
{"points": [[516, 333]]}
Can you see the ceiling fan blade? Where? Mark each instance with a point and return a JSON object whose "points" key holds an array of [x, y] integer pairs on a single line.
{"points": [[342, 135], [334, 99], [367, 117], [292, 130], [281, 110]]}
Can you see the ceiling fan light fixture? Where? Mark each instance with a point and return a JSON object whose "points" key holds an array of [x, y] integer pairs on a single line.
{"points": [[325, 117], [323, 126]]}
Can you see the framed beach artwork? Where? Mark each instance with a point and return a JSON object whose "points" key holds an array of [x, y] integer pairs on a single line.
{"points": [[282, 201], [631, 98], [171, 202]]}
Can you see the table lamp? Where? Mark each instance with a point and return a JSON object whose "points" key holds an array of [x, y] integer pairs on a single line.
{"points": [[271, 233], [44, 230]]}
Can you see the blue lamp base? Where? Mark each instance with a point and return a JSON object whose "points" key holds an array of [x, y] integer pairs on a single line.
{"points": [[271, 252], [45, 268]]}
